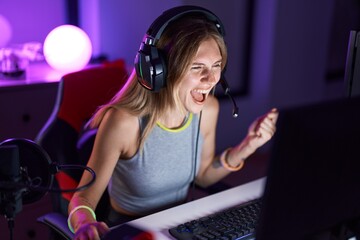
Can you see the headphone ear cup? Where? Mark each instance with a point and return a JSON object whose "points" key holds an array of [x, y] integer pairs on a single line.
{"points": [[150, 66]]}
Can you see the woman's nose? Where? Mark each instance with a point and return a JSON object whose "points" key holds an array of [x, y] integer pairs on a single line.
{"points": [[210, 76]]}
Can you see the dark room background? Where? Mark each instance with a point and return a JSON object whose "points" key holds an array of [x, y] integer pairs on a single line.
{"points": [[282, 53]]}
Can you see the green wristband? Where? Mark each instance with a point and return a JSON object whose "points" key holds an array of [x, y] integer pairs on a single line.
{"points": [[74, 210]]}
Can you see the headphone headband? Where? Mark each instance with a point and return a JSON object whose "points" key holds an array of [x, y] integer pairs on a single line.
{"points": [[158, 26], [150, 64]]}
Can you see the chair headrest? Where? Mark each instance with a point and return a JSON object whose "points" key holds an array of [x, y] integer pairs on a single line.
{"points": [[84, 91]]}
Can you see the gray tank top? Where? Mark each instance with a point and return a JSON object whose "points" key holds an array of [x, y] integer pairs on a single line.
{"points": [[159, 177]]}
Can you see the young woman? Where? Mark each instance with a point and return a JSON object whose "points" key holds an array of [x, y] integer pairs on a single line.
{"points": [[151, 145]]}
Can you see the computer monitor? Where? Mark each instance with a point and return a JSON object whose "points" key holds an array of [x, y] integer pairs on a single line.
{"points": [[352, 67], [313, 180]]}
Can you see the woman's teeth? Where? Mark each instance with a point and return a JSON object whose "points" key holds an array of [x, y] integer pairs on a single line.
{"points": [[199, 95]]}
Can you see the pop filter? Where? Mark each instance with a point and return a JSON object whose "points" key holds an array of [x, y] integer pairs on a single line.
{"points": [[35, 166], [37, 171]]}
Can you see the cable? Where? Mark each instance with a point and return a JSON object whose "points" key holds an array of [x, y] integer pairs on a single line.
{"points": [[34, 184], [79, 188], [195, 158], [11, 224]]}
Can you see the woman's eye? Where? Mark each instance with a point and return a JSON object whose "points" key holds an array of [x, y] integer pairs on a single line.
{"points": [[197, 68]]}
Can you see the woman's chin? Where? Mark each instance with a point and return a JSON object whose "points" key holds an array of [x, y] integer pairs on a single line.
{"points": [[195, 108]]}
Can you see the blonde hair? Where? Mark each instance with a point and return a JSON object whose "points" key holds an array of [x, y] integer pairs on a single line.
{"points": [[179, 43]]}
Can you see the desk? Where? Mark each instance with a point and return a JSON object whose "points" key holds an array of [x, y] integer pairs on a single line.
{"points": [[160, 222], [36, 73], [26, 104]]}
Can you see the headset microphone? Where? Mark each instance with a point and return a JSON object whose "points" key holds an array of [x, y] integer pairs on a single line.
{"points": [[226, 89]]}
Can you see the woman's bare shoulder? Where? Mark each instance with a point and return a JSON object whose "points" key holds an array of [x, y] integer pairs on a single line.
{"points": [[120, 118], [121, 128]]}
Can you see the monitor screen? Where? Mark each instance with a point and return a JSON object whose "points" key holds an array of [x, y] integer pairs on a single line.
{"points": [[352, 67], [313, 180]]}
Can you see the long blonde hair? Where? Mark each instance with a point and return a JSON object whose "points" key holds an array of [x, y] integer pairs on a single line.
{"points": [[179, 43]]}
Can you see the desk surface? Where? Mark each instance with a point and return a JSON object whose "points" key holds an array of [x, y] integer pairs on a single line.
{"points": [[159, 223], [36, 73]]}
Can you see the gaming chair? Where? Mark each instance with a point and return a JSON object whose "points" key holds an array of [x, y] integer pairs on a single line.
{"points": [[63, 137]]}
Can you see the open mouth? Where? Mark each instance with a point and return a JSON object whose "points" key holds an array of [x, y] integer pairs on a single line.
{"points": [[199, 95]]}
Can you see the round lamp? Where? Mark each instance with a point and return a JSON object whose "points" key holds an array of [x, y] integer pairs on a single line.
{"points": [[5, 31], [67, 48]]}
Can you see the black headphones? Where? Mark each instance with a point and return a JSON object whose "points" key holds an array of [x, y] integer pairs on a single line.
{"points": [[150, 64]]}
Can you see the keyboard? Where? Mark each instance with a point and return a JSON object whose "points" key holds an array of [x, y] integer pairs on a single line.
{"points": [[238, 222]]}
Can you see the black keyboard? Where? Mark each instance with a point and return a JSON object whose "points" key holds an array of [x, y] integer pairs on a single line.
{"points": [[234, 223]]}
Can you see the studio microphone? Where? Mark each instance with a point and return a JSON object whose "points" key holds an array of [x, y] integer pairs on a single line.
{"points": [[226, 89], [11, 195], [32, 170], [26, 175]]}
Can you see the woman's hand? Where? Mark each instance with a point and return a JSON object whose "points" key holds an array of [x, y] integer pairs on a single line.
{"points": [[262, 129], [91, 231]]}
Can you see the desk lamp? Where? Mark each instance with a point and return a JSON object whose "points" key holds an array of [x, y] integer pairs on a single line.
{"points": [[67, 48]]}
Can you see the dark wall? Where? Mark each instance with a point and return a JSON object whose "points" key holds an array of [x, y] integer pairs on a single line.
{"points": [[293, 52]]}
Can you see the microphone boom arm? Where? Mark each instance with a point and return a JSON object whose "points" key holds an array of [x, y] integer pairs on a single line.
{"points": [[226, 89]]}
